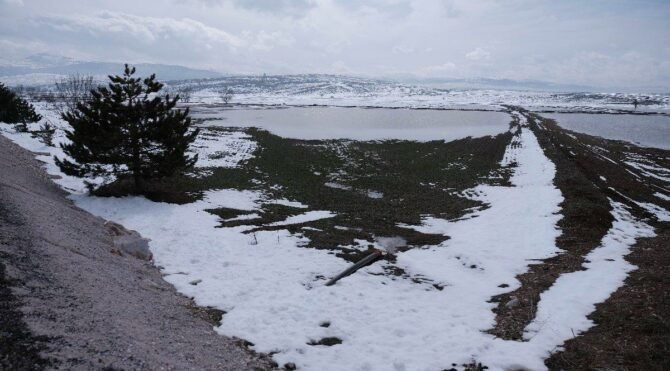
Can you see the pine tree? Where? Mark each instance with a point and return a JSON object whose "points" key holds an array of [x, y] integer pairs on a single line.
{"points": [[129, 131], [16, 110]]}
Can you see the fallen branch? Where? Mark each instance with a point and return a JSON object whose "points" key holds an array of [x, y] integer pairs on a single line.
{"points": [[361, 263]]}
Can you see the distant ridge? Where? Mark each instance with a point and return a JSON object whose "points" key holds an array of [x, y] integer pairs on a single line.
{"points": [[62, 66], [488, 83]]}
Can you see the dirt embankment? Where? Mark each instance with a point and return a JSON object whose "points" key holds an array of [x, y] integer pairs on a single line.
{"points": [[70, 299]]}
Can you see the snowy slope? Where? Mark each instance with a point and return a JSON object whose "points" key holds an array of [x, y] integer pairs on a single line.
{"points": [[356, 91]]}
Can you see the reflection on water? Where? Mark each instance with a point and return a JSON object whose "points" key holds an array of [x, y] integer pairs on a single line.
{"points": [[360, 123], [643, 130]]}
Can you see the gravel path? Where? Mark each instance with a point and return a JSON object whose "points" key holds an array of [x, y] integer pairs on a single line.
{"points": [[67, 301]]}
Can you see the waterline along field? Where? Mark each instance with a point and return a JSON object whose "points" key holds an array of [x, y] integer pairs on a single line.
{"points": [[508, 241]]}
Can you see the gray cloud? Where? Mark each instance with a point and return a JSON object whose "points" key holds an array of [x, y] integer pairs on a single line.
{"points": [[604, 43], [478, 54], [278, 7], [393, 8]]}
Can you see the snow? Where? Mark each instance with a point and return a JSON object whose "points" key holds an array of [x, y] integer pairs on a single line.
{"points": [[284, 202], [31, 79], [662, 196], [352, 91], [375, 194], [650, 170], [563, 309], [222, 149], [384, 323], [659, 212], [273, 290], [304, 218], [336, 185]]}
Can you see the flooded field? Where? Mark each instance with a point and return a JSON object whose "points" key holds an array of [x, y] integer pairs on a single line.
{"points": [[642, 130], [359, 123]]}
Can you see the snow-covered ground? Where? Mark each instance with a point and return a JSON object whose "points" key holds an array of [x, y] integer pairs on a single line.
{"points": [[273, 290], [333, 90], [353, 91]]}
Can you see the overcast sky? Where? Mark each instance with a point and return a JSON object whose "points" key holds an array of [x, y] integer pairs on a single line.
{"points": [[601, 42]]}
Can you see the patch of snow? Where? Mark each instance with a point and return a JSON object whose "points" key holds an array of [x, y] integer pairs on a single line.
{"points": [[662, 196], [660, 213], [337, 186], [243, 217], [222, 148], [309, 216], [375, 194], [608, 159], [285, 202], [646, 170]]}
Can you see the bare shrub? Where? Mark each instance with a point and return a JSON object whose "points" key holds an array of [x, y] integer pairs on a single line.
{"points": [[226, 94], [185, 92], [71, 90]]}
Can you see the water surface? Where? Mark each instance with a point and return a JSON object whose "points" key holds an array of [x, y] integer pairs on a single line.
{"points": [[360, 123], [642, 130]]}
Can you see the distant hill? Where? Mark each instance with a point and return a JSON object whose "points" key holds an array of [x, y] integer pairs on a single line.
{"points": [[49, 66], [504, 84]]}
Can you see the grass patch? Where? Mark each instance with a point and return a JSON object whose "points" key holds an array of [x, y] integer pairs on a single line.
{"points": [[371, 186], [379, 184]]}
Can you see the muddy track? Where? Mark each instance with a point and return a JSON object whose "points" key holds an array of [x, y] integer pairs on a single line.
{"points": [[632, 329], [586, 219]]}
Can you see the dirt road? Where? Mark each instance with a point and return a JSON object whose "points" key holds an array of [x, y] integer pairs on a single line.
{"points": [[70, 300]]}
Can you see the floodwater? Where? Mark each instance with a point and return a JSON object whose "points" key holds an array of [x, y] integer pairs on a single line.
{"points": [[359, 123], [641, 130]]}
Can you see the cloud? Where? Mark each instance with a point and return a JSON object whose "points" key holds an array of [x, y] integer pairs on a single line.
{"points": [[133, 30], [145, 29], [599, 42], [14, 2], [438, 70], [450, 8], [295, 8], [478, 54], [277, 6], [390, 8], [402, 49]]}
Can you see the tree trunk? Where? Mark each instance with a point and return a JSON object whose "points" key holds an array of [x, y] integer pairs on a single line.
{"points": [[135, 144]]}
